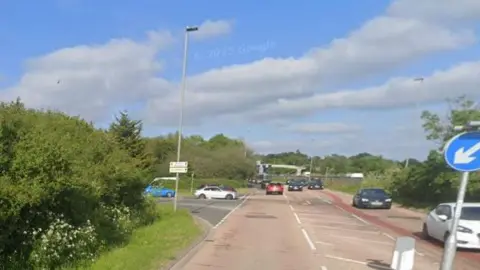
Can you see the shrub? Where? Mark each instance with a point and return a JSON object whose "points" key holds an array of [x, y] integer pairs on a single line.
{"points": [[62, 244]]}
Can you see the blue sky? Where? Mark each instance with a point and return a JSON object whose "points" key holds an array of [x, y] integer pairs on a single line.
{"points": [[324, 57]]}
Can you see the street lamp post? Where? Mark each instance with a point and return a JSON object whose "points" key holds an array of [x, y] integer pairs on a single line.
{"points": [[188, 29]]}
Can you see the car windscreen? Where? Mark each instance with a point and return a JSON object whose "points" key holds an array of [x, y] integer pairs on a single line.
{"points": [[374, 192], [470, 213]]}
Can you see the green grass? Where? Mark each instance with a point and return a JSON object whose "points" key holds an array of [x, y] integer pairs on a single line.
{"points": [[152, 247]]}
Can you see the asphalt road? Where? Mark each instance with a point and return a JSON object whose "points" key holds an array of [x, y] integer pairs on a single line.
{"points": [[307, 230], [212, 211]]}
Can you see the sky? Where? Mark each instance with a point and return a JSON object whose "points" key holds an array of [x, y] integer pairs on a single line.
{"points": [[324, 77]]}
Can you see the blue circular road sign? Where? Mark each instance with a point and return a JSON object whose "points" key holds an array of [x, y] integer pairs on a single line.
{"points": [[462, 152]]}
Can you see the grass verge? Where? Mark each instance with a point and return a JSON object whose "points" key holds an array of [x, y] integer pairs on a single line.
{"points": [[152, 247]]}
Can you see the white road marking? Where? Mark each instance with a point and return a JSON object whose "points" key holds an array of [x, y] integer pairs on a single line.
{"points": [[377, 266], [361, 219], [323, 268], [324, 200], [330, 222], [393, 238], [389, 236], [363, 240], [291, 207], [323, 243], [343, 229], [309, 241], [297, 218], [231, 212]]}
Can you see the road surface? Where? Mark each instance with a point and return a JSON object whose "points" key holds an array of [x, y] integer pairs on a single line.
{"points": [[302, 231], [212, 211]]}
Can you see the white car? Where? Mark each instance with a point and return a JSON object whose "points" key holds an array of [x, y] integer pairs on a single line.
{"points": [[439, 221], [215, 193]]}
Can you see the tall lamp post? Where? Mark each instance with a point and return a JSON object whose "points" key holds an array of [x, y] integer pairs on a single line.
{"points": [[188, 29]]}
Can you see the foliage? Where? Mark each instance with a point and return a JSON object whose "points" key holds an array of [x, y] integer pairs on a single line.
{"points": [[71, 191], [334, 164], [61, 178], [151, 247], [425, 184], [217, 157]]}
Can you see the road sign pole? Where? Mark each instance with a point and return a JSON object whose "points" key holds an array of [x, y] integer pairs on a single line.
{"points": [[451, 243], [191, 183]]}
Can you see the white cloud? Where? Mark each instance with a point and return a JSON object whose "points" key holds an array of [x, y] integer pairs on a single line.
{"points": [[94, 80], [324, 128], [462, 79], [210, 28], [381, 44], [437, 10]]}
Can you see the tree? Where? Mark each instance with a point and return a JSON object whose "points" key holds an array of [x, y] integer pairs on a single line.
{"points": [[128, 134]]}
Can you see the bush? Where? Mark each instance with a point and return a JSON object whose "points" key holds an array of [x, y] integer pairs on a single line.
{"points": [[68, 191]]}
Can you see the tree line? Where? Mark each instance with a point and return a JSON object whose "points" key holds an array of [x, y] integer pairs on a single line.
{"points": [[332, 164], [69, 190], [414, 183]]}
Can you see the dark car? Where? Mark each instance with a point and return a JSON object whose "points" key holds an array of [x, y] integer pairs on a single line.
{"points": [[372, 198], [295, 186], [304, 182], [315, 184]]}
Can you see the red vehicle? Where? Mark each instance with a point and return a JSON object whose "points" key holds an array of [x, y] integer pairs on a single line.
{"points": [[274, 188]]}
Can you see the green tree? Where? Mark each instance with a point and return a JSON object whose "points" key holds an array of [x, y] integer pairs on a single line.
{"points": [[128, 134]]}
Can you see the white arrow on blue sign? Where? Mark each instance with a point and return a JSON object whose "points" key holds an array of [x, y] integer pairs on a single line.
{"points": [[462, 152]]}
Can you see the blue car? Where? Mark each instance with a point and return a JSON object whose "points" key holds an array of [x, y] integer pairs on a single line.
{"points": [[159, 191]]}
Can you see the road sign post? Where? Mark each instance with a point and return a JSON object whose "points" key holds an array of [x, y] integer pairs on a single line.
{"points": [[177, 167], [462, 153]]}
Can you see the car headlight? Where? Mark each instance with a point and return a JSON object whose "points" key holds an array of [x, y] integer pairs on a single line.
{"points": [[464, 229], [388, 200], [364, 200]]}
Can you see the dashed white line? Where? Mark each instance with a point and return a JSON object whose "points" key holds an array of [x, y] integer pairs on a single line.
{"points": [[389, 236], [393, 239], [324, 200], [297, 218], [336, 228], [231, 212], [309, 241], [323, 268], [291, 207], [361, 219], [377, 266], [324, 243]]}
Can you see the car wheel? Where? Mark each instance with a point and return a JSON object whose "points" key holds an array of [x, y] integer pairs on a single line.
{"points": [[169, 194], [229, 197], [281, 193], [353, 204], [267, 193], [425, 234], [202, 196]]}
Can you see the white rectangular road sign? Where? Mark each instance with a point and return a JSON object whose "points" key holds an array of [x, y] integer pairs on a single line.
{"points": [[178, 167]]}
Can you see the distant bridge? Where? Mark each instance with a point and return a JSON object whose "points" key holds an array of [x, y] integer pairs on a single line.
{"points": [[263, 168]]}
